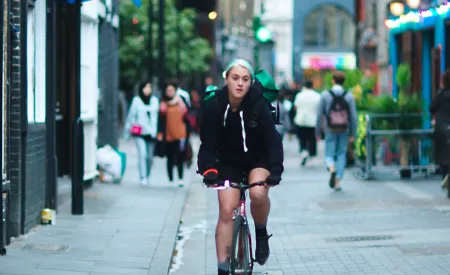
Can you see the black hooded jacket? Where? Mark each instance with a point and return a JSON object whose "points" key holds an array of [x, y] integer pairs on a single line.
{"points": [[440, 108], [225, 142]]}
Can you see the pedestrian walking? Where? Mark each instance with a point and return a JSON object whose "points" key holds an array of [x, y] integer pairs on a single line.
{"points": [[440, 109], [339, 108], [285, 121], [172, 131], [142, 125], [306, 104]]}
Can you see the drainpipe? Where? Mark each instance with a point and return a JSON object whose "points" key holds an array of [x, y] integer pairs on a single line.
{"points": [[2, 223], [23, 109], [52, 184], [77, 123]]}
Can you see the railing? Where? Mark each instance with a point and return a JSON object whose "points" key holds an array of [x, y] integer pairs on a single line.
{"points": [[394, 153]]}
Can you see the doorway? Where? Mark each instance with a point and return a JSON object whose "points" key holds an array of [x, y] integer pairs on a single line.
{"points": [[66, 52]]}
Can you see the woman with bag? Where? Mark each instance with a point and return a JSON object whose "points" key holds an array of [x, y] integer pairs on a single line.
{"points": [[142, 125], [172, 131]]}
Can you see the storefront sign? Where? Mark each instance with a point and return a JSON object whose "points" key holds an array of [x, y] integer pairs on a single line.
{"points": [[328, 61]]}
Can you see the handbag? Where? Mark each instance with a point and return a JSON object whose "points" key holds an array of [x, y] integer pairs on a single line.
{"points": [[136, 130]]}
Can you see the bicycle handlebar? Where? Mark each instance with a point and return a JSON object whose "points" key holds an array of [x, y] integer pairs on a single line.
{"points": [[221, 185]]}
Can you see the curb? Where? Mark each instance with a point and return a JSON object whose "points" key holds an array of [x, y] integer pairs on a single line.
{"points": [[162, 259]]}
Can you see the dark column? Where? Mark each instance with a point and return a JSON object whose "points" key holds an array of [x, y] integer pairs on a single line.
{"points": [[23, 108], [77, 124], [52, 193], [2, 224]]}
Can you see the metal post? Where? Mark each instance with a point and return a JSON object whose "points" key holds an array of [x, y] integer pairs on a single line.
{"points": [[77, 167], [51, 194], [77, 124], [151, 14], [162, 46], [2, 215]]}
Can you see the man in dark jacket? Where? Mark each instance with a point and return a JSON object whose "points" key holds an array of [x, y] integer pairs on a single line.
{"points": [[440, 109]]}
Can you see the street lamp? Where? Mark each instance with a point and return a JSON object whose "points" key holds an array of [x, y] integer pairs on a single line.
{"points": [[413, 4], [396, 7], [212, 15]]}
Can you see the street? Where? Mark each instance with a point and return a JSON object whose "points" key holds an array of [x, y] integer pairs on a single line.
{"points": [[369, 228]]}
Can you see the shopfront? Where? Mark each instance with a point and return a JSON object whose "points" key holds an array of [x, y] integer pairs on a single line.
{"points": [[418, 37], [316, 64]]}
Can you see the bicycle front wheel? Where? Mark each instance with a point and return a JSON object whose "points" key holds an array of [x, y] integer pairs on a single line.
{"points": [[240, 258]]}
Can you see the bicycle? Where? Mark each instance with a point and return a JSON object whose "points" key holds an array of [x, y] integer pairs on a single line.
{"points": [[241, 247]]}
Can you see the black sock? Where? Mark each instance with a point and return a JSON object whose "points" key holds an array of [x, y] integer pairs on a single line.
{"points": [[260, 230]]}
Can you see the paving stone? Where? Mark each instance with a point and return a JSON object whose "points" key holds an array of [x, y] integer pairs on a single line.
{"points": [[126, 229], [306, 214]]}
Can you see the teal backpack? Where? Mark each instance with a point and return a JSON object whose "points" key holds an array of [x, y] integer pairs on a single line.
{"points": [[265, 83]]}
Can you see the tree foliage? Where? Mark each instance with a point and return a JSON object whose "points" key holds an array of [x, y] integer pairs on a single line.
{"points": [[134, 40]]}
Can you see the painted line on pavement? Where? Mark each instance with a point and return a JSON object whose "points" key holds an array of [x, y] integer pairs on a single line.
{"points": [[408, 190]]}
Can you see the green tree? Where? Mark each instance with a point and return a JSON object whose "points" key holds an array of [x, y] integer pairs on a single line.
{"points": [[134, 36]]}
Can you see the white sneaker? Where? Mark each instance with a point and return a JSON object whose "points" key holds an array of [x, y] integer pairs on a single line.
{"points": [[305, 156], [144, 182], [444, 184]]}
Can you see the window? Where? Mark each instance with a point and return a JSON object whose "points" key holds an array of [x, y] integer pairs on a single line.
{"points": [[330, 27], [347, 31], [311, 32], [36, 53]]}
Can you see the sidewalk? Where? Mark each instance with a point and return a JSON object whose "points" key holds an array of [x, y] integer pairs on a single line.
{"points": [[371, 227], [126, 229]]}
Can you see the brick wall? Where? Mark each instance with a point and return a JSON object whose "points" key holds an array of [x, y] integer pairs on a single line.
{"points": [[108, 124], [15, 136], [35, 175]]}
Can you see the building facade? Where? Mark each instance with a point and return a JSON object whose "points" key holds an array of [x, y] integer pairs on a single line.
{"points": [[323, 38], [373, 43], [419, 38], [235, 28], [51, 80], [108, 74], [278, 19]]}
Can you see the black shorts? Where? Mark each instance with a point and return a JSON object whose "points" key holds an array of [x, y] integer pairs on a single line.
{"points": [[237, 174]]}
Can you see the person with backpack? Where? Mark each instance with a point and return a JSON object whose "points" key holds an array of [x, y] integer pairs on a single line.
{"points": [[339, 109], [239, 142]]}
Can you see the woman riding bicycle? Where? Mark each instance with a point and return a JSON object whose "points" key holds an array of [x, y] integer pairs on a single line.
{"points": [[239, 142]]}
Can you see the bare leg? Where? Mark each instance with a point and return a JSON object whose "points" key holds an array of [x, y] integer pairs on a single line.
{"points": [[259, 196], [228, 201], [260, 208]]}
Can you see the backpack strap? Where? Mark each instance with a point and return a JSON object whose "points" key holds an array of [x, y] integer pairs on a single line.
{"points": [[332, 94]]}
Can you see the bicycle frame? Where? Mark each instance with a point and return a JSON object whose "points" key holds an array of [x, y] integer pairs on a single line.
{"points": [[241, 211]]}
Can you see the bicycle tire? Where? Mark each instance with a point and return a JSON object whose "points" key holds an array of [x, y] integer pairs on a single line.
{"points": [[240, 234]]}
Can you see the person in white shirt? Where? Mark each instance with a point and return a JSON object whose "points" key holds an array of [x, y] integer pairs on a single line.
{"points": [[306, 105]]}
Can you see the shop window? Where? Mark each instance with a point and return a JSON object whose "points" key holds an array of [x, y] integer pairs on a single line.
{"points": [[311, 29], [329, 26], [347, 30]]}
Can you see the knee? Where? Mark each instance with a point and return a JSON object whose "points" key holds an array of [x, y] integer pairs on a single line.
{"points": [[259, 197], [226, 214]]}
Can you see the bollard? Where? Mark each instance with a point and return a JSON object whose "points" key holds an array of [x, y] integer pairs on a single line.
{"points": [[77, 167]]}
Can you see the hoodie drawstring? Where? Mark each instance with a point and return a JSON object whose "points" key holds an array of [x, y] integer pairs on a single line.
{"points": [[244, 136], [241, 115]]}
